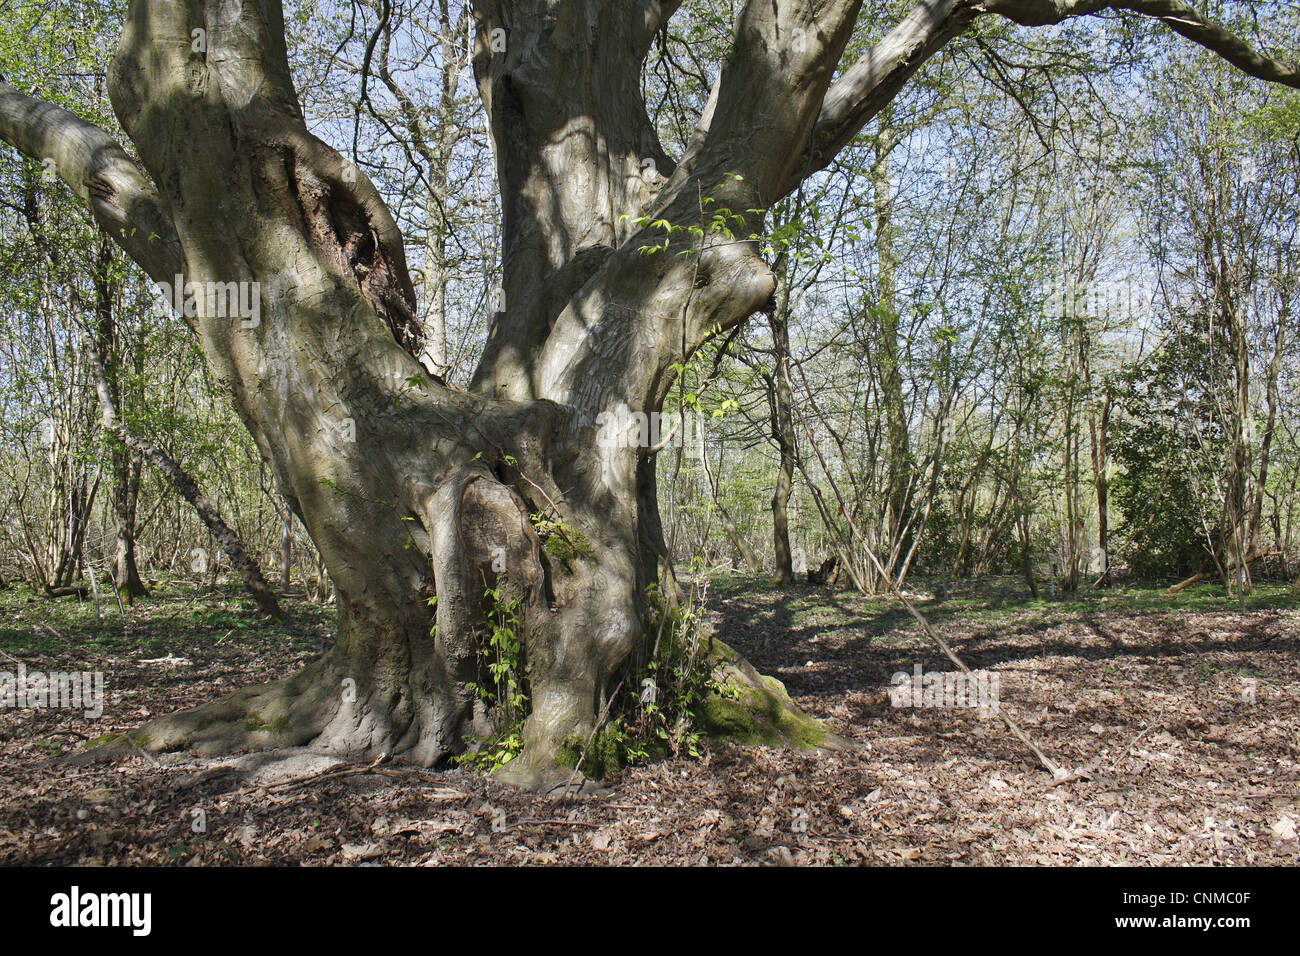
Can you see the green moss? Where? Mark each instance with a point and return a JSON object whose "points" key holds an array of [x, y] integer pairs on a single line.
{"points": [[714, 694], [254, 723], [570, 752], [612, 749], [566, 544], [556, 547], [755, 710], [758, 719], [122, 743], [724, 718]]}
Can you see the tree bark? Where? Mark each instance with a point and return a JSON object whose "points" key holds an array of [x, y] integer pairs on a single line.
{"points": [[899, 465], [410, 489], [286, 549], [125, 467], [781, 401]]}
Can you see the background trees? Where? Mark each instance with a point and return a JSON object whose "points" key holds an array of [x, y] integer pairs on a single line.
{"points": [[1030, 318]]}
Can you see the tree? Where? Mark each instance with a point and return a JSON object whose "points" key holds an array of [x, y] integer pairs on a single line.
{"points": [[420, 497]]}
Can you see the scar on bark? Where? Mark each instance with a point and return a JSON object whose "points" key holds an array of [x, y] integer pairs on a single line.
{"points": [[348, 222]]}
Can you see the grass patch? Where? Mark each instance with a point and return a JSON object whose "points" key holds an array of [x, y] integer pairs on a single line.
{"points": [[176, 622]]}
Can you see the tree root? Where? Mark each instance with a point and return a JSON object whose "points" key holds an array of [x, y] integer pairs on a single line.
{"points": [[754, 709], [321, 709]]}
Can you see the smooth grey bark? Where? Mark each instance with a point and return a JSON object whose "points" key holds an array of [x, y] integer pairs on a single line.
{"points": [[412, 490]]}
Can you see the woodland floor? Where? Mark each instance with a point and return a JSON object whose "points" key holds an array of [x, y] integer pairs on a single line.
{"points": [[1145, 688]]}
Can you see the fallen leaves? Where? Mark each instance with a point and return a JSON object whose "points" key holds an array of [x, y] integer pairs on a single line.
{"points": [[1185, 770]]}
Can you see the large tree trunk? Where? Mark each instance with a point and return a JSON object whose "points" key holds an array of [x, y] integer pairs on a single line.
{"points": [[410, 489]]}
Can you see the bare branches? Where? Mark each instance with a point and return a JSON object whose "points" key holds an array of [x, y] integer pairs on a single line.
{"points": [[875, 79], [1185, 21]]}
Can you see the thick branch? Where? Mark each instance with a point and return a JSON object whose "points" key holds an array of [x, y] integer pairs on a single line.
{"points": [[575, 150], [122, 198], [875, 79], [1180, 17], [1185, 21]]}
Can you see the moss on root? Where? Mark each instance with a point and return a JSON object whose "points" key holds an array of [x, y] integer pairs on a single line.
{"points": [[114, 744], [254, 723], [603, 758], [744, 707], [755, 710]]}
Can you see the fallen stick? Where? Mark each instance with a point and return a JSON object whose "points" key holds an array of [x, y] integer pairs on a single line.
{"points": [[323, 774], [1206, 575], [1048, 764]]}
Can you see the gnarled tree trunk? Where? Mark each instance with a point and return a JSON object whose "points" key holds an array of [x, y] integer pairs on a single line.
{"points": [[413, 490]]}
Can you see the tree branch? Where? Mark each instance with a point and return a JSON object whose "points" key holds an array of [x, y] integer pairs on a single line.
{"points": [[1180, 17], [873, 81], [122, 198]]}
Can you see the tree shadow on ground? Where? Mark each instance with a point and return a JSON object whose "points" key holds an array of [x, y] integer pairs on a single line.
{"points": [[869, 641]]}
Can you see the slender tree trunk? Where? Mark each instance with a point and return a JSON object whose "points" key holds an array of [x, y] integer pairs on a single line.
{"points": [[898, 473], [126, 489], [188, 488], [742, 547], [1070, 480], [783, 434], [286, 549], [1098, 440], [105, 359], [1270, 424], [1237, 513]]}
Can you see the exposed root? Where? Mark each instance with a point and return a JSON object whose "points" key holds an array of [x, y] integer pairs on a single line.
{"points": [[547, 779], [319, 708], [287, 713]]}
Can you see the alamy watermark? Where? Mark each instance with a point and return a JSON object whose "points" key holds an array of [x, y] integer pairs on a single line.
{"points": [[64, 690], [657, 430], [1117, 299], [978, 689], [73, 909], [1128, 299], [213, 300]]}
